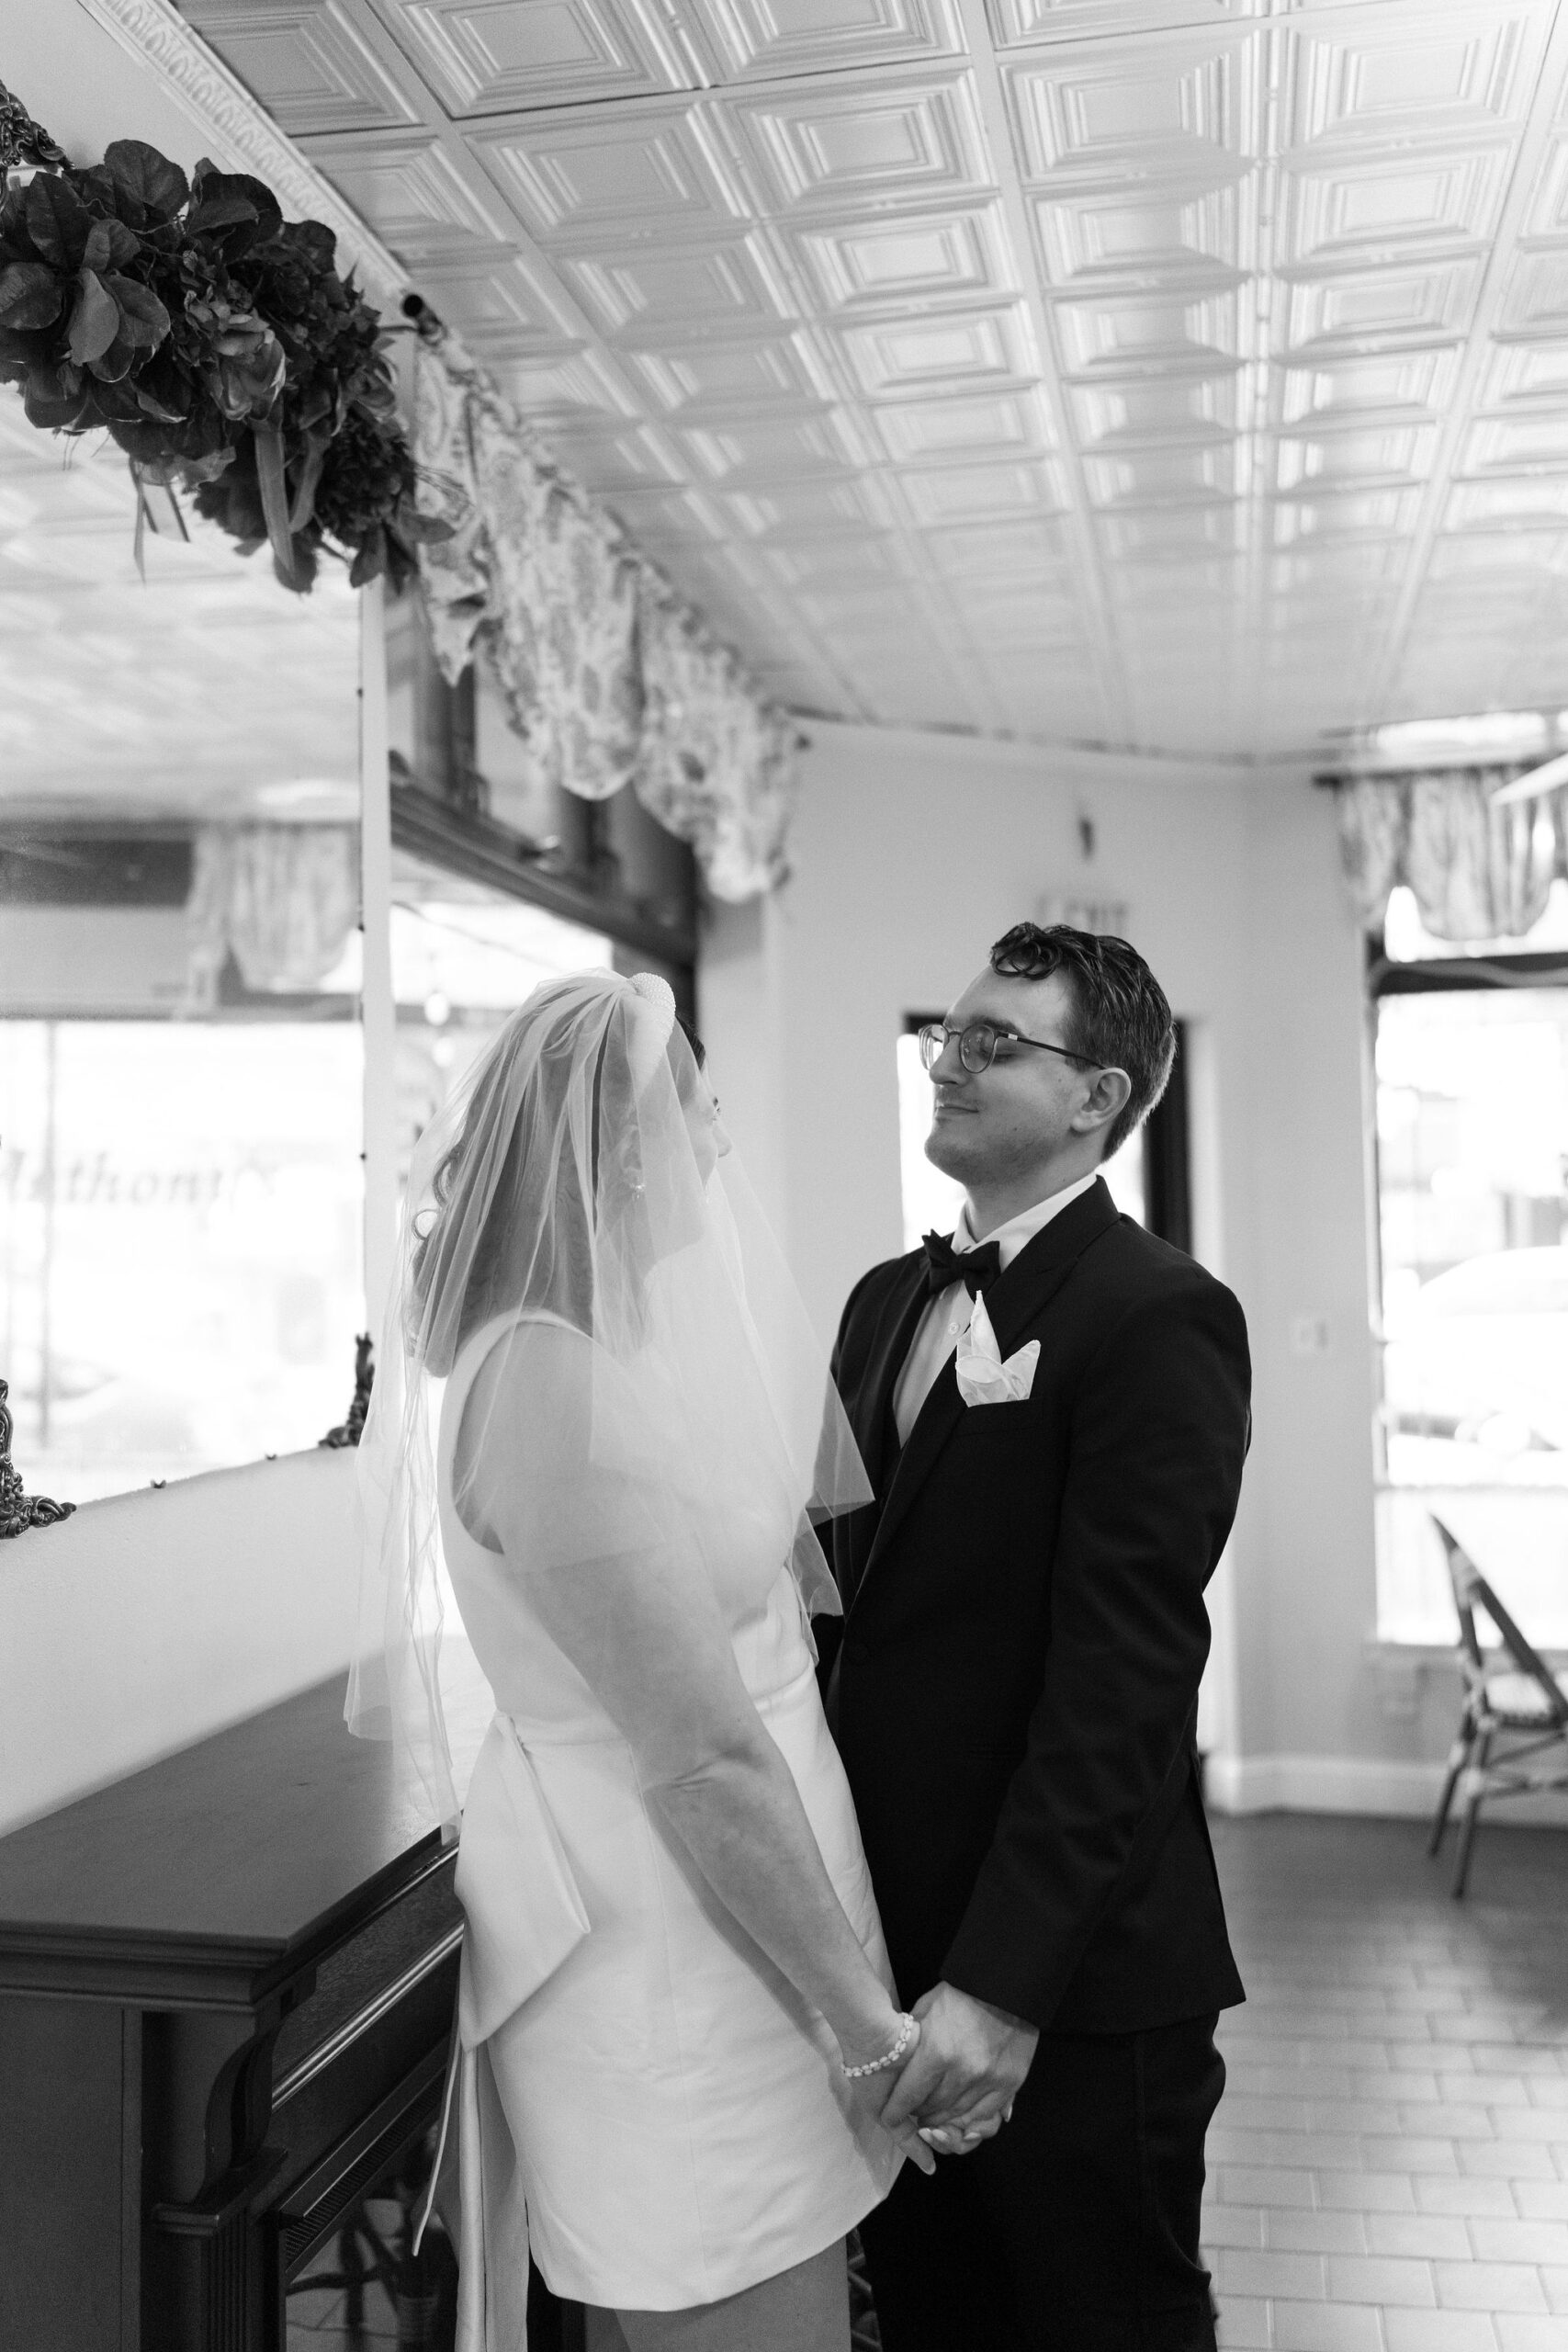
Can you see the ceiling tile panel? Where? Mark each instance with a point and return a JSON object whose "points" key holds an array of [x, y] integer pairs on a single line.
{"points": [[1416, 303], [491, 56], [771, 448], [866, 140], [421, 194], [1128, 107], [1375, 511], [608, 175], [313, 66], [1157, 476], [751, 39], [889, 263], [1143, 236], [1114, 333], [917, 355], [1179, 408], [771, 372], [677, 292], [1383, 453], [1012, 421], [951, 494], [1353, 213], [1398, 383], [1396, 73], [1535, 298]]}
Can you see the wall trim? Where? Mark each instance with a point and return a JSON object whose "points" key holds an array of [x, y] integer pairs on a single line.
{"points": [[1397, 1789], [244, 137]]}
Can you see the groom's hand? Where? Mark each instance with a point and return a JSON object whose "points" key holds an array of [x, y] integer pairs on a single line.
{"points": [[967, 2071]]}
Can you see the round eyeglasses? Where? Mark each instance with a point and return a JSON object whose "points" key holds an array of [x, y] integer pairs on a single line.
{"points": [[978, 1044]]}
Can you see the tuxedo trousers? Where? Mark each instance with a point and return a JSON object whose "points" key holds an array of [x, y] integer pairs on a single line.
{"points": [[1076, 2228]]}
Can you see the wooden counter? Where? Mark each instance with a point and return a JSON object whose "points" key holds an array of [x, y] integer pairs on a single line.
{"points": [[225, 1985]]}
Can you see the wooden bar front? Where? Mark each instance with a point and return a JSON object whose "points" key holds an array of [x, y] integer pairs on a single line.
{"points": [[226, 1988]]}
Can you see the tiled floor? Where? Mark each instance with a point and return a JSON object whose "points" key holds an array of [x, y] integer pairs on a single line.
{"points": [[1388, 2169]]}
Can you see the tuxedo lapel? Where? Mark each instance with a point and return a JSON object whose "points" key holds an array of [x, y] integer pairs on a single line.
{"points": [[1014, 1301], [873, 1414]]}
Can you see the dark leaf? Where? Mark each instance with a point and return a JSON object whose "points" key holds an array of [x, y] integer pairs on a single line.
{"points": [[215, 187], [57, 221], [103, 197], [206, 218], [162, 389], [419, 530], [144, 320], [30, 295], [59, 405], [109, 243], [156, 184], [371, 560], [94, 322], [113, 366]]}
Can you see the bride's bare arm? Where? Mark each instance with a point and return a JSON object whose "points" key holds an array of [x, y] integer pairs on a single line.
{"points": [[648, 1638]]}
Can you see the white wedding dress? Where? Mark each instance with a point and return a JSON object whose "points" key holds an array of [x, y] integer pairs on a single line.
{"points": [[640, 2094]]}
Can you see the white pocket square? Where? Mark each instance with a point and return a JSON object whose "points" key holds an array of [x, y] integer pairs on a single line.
{"points": [[983, 1377]]}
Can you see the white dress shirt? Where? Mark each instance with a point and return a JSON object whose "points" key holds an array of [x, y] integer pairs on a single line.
{"points": [[947, 1315]]}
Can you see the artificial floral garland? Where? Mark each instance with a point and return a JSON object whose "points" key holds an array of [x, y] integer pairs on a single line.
{"points": [[219, 346]]}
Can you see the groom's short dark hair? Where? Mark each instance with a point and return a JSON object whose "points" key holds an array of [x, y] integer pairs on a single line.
{"points": [[1120, 1017]]}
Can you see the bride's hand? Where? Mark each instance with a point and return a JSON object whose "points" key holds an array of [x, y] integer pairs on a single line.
{"points": [[874, 2091]]}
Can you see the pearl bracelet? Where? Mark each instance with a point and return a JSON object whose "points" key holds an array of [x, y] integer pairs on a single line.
{"points": [[906, 2032]]}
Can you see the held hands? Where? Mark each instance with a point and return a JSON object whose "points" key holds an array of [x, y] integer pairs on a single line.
{"points": [[960, 2079], [874, 2093]]}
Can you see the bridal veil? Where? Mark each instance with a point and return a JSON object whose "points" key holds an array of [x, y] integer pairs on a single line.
{"points": [[577, 1180]]}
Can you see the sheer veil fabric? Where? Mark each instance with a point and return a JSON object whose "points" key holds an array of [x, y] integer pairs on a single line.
{"points": [[577, 1192]]}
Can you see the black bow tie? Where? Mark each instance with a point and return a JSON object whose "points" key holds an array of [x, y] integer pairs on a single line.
{"points": [[946, 1265]]}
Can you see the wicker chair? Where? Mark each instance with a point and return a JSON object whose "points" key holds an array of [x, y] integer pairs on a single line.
{"points": [[1513, 1734]]}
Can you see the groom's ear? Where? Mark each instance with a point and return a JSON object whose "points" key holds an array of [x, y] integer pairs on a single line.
{"points": [[1107, 1098]]}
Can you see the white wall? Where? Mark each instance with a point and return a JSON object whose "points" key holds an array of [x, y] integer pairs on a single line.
{"points": [[912, 853], [86, 90]]}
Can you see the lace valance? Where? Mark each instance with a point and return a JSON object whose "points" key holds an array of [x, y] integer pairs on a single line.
{"points": [[1477, 870], [609, 677], [283, 898]]}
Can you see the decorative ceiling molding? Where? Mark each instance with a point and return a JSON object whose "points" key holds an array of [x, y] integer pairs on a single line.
{"points": [[244, 136]]}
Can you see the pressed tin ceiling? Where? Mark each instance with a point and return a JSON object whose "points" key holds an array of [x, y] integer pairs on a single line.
{"points": [[1186, 374]]}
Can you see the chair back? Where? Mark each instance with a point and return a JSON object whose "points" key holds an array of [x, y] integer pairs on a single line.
{"points": [[1471, 1592]]}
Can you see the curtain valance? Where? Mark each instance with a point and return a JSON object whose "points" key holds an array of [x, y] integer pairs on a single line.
{"points": [[607, 676], [284, 898], [1477, 871]]}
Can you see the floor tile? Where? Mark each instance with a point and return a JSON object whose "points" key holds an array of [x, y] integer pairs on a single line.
{"points": [[1325, 2327], [1233, 2225], [1499, 2241], [1516, 2332], [1243, 2273], [1439, 2331], [1288, 2230], [1428, 2236], [1467, 2196], [1270, 2185], [1368, 2192], [1380, 2279], [1490, 2286], [1243, 2325], [1542, 2200]]}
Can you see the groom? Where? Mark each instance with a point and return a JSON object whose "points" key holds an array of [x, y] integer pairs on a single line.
{"points": [[1015, 1693]]}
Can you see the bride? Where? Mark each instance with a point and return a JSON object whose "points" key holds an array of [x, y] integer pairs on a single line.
{"points": [[676, 2026]]}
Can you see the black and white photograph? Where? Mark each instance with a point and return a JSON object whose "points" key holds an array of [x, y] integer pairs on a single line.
{"points": [[783, 1175]]}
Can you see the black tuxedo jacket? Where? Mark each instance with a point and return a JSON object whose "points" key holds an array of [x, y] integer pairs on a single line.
{"points": [[1015, 1683]]}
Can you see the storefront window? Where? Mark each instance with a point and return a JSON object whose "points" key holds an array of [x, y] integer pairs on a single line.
{"points": [[1472, 1103]]}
